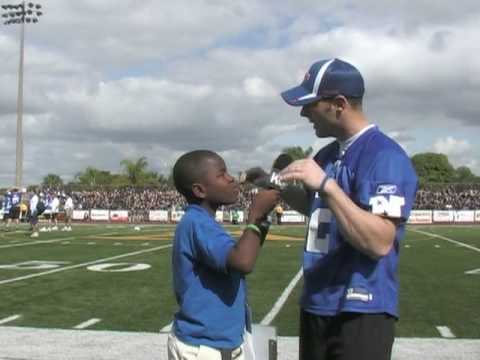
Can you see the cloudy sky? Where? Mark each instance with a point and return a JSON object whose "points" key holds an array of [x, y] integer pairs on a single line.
{"points": [[110, 80]]}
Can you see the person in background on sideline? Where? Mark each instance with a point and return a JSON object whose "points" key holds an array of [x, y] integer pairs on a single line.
{"points": [[68, 206]]}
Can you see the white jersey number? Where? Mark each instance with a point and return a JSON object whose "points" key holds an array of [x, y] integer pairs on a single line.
{"points": [[318, 240]]}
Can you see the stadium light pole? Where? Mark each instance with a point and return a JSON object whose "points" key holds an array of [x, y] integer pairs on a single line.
{"points": [[20, 14]]}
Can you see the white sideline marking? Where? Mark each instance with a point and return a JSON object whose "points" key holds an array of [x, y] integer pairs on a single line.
{"points": [[167, 328], [9, 319], [445, 332], [473, 272], [447, 239], [36, 242], [87, 323], [82, 264], [281, 300]]}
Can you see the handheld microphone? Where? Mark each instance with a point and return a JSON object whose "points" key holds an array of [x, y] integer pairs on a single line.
{"points": [[260, 178]]}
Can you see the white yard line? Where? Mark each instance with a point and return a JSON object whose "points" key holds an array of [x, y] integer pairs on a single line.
{"points": [[31, 276], [166, 328], [282, 299], [87, 324], [445, 332], [9, 319], [447, 239], [36, 242]]}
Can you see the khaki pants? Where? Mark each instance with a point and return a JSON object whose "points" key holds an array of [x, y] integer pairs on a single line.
{"points": [[178, 350]]}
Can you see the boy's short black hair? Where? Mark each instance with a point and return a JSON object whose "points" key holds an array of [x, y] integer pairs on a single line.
{"points": [[189, 169]]}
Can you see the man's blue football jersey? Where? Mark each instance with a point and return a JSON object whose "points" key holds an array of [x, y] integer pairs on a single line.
{"points": [[379, 177], [7, 202], [16, 198]]}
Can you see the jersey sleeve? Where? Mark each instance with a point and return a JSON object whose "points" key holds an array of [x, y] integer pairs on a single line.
{"points": [[212, 245], [388, 186]]}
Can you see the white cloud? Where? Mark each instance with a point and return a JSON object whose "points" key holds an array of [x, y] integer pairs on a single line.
{"points": [[460, 152], [451, 146], [107, 80], [258, 87]]}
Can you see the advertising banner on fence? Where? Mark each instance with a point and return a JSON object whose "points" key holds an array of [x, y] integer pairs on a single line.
{"points": [[80, 214], [477, 216], [443, 216], [99, 215], [158, 215], [464, 216], [119, 215], [177, 215], [291, 216], [239, 214], [421, 217]]}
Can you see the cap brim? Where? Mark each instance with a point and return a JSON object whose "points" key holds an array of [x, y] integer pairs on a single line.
{"points": [[299, 96]]}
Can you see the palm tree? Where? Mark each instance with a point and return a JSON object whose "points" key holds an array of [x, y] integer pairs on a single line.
{"points": [[92, 177], [52, 181], [297, 153], [135, 170]]}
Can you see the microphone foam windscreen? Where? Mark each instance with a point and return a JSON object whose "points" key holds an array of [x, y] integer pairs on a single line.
{"points": [[281, 162]]}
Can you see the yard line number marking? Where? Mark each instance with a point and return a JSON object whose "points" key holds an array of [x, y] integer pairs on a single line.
{"points": [[20, 278]]}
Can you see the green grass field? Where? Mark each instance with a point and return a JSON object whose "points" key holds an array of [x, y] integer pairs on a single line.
{"points": [[49, 283]]}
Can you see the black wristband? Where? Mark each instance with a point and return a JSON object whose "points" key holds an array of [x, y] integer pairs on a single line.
{"points": [[321, 189]]}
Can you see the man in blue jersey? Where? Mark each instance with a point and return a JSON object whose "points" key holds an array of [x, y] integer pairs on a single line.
{"points": [[16, 198], [359, 191], [7, 207], [209, 266]]}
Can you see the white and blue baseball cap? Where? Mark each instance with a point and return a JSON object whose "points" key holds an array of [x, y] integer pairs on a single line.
{"points": [[326, 79]]}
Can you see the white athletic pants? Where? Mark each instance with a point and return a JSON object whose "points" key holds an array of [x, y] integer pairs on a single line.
{"points": [[178, 350]]}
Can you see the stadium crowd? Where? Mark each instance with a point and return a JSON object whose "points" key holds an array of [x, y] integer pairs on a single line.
{"points": [[139, 201], [456, 196], [164, 198], [453, 196]]}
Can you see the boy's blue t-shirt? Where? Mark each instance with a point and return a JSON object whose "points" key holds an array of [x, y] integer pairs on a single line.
{"points": [[212, 299], [377, 176]]}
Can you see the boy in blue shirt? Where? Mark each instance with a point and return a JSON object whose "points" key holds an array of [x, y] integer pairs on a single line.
{"points": [[209, 267]]}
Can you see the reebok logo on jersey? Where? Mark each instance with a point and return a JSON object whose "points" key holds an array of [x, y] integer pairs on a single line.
{"points": [[386, 189]]}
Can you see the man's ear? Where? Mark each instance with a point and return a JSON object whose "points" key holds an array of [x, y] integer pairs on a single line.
{"points": [[340, 102], [199, 190]]}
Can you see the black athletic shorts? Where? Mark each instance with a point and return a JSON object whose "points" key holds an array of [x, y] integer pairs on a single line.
{"points": [[15, 212], [347, 336]]}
